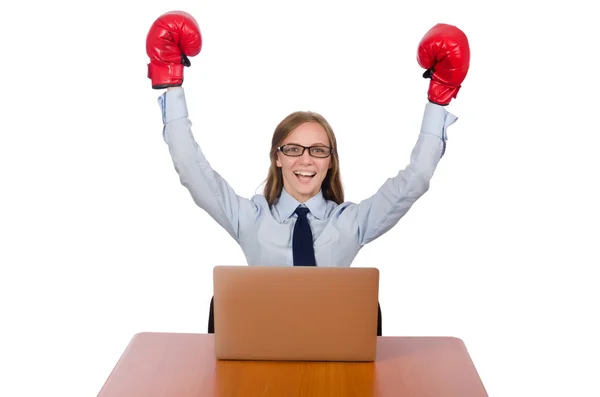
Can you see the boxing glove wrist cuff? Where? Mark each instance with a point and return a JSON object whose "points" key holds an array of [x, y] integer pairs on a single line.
{"points": [[165, 75], [440, 93]]}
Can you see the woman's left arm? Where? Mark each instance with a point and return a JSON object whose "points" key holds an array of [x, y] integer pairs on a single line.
{"points": [[380, 212]]}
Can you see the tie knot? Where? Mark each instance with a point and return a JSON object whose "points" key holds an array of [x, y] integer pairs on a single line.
{"points": [[301, 212]]}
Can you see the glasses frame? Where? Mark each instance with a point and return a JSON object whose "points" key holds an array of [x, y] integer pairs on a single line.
{"points": [[304, 148]]}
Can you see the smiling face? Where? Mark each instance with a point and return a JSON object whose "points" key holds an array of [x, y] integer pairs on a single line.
{"points": [[303, 175], [307, 128]]}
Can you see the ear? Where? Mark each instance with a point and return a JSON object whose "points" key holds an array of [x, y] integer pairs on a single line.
{"points": [[277, 162]]}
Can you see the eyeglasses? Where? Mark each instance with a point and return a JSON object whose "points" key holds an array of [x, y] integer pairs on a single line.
{"points": [[298, 150]]}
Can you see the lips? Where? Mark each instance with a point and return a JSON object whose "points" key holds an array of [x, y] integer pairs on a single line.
{"points": [[304, 176], [305, 173]]}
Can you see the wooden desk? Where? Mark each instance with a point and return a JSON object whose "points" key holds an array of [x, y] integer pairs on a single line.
{"points": [[184, 365]]}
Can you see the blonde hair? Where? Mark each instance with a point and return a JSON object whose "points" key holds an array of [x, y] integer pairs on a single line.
{"points": [[331, 186]]}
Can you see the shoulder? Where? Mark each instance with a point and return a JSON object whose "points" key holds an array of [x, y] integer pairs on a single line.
{"points": [[259, 201], [335, 209]]}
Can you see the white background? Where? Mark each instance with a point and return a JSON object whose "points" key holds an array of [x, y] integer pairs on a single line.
{"points": [[99, 240]]}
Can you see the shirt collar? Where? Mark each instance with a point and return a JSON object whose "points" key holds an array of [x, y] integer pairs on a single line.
{"points": [[286, 205]]}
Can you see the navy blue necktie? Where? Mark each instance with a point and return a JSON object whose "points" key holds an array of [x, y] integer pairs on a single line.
{"points": [[302, 240]]}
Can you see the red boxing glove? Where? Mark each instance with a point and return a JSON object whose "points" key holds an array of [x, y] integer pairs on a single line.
{"points": [[173, 37], [444, 52]]}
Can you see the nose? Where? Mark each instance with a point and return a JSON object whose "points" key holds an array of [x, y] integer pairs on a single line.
{"points": [[306, 158]]}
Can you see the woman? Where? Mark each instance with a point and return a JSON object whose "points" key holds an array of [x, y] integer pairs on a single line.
{"points": [[302, 219], [298, 177]]}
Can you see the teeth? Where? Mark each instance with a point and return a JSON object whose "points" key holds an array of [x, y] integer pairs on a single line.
{"points": [[305, 173]]}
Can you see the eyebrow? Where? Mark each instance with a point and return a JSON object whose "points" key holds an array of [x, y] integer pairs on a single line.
{"points": [[312, 144]]}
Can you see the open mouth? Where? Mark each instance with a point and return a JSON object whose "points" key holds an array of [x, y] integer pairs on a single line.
{"points": [[304, 176]]}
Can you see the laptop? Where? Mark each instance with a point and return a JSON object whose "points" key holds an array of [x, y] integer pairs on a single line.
{"points": [[306, 313]]}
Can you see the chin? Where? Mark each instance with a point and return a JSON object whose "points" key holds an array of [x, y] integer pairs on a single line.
{"points": [[305, 189], [309, 190]]}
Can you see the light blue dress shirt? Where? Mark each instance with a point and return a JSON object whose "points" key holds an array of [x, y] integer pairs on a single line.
{"points": [[339, 231]]}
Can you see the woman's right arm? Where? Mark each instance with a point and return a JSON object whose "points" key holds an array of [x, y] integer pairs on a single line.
{"points": [[208, 189]]}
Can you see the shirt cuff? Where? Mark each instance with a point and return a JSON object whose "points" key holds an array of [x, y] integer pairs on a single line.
{"points": [[173, 105], [437, 120]]}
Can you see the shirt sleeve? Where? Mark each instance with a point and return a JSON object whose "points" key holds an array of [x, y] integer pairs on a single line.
{"points": [[380, 212], [208, 189]]}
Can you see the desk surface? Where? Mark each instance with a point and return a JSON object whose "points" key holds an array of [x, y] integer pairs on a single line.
{"points": [[182, 365]]}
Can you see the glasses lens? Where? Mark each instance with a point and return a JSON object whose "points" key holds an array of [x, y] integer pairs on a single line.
{"points": [[292, 150], [320, 151]]}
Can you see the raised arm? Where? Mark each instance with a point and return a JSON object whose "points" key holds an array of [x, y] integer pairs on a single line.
{"points": [[444, 53], [171, 40], [380, 212], [208, 189]]}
